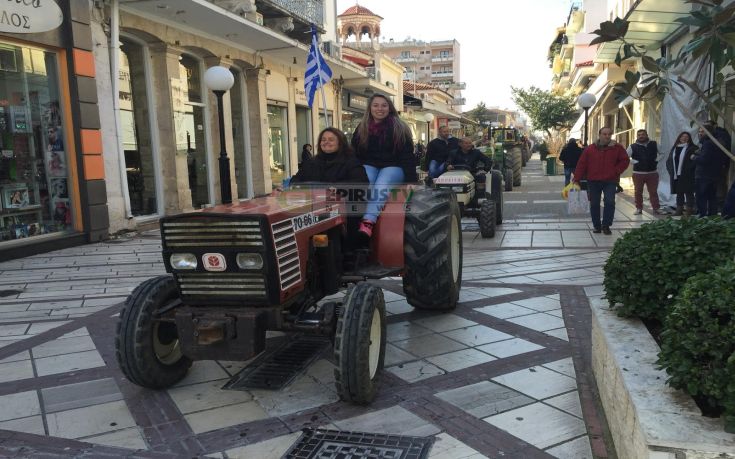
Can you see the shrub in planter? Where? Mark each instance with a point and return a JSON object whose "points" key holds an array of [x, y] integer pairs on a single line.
{"points": [[698, 342], [648, 266]]}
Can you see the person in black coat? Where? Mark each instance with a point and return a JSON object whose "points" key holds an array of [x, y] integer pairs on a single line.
{"points": [[305, 154], [384, 145], [710, 166], [470, 158], [334, 162], [438, 152], [570, 156], [680, 165]]}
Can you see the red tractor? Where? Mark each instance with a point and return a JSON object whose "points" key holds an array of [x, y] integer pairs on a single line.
{"points": [[237, 271]]}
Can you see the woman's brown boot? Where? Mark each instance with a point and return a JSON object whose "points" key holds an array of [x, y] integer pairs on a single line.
{"points": [[688, 211], [679, 211]]}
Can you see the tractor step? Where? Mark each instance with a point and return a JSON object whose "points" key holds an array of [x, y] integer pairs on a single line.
{"points": [[276, 369], [330, 444], [372, 271]]}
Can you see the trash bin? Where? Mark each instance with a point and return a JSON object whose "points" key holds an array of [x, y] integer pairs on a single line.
{"points": [[551, 165]]}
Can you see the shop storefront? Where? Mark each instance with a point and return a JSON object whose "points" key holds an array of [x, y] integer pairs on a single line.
{"points": [[353, 109], [34, 165], [280, 163], [47, 186]]}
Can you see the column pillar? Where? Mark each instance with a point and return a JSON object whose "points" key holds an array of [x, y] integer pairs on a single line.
{"points": [[258, 123], [168, 92]]}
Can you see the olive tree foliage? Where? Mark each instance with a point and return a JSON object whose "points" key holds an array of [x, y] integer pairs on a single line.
{"points": [[547, 111], [712, 44]]}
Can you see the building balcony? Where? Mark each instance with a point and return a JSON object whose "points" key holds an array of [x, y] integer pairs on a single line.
{"points": [[442, 59], [458, 101], [442, 74], [406, 60], [303, 13]]}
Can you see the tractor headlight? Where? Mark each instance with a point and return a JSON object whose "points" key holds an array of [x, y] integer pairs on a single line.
{"points": [[183, 261], [249, 261]]}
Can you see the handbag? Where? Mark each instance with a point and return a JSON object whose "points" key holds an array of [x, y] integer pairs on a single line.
{"points": [[577, 202]]}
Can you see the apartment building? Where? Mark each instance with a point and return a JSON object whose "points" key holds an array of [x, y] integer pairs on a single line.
{"points": [[431, 62]]}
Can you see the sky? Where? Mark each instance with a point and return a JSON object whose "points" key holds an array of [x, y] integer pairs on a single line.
{"points": [[502, 42]]}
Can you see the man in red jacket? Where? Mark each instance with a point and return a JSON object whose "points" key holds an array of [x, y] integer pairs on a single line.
{"points": [[601, 164]]}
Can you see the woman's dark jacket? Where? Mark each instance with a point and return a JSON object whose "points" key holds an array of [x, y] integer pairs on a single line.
{"points": [[685, 182], [331, 168], [570, 155], [380, 152]]}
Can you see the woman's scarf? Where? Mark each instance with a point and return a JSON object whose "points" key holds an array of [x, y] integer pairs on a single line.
{"points": [[679, 152]]}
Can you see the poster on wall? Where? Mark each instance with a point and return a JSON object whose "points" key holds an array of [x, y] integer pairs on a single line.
{"points": [[15, 197]]}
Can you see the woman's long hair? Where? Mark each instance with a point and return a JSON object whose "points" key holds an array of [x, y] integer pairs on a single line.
{"points": [[689, 144], [344, 146], [401, 131]]}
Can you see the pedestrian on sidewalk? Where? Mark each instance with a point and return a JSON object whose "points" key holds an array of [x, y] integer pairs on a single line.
{"points": [[570, 157], [680, 165], [601, 164], [710, 166], [644, 156]]}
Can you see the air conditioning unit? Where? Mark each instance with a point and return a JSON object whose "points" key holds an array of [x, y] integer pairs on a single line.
{"points": [[332, 49]]}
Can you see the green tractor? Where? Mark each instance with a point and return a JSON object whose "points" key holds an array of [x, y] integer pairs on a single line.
{"points": [[507, 154]]}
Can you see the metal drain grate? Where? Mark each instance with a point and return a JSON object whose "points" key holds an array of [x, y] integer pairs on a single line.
{"points": [[278, 368], [327, 444]]}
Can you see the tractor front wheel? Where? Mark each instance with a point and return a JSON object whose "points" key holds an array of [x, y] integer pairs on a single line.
{"points": [[359, 345], [148, 349], [487, 218], [432, 248]]}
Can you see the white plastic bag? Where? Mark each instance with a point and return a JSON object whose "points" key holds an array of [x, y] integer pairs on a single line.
{"points": [[577, 202]]}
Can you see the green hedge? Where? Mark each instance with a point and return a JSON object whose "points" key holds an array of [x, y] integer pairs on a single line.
{"points": [[648, 266], [698, 342]]}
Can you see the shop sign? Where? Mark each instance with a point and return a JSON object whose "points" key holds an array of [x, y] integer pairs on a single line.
{"points": [[29, 16], [454, 124], [357, 102]]}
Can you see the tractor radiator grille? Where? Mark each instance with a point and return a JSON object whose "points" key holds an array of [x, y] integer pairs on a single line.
{"points": [[287, 254], [178, 234], [217, 285]]}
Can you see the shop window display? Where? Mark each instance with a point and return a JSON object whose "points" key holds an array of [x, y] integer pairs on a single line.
{"points": [[34, 175]]}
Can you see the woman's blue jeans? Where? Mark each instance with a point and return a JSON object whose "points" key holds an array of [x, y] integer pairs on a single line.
{"points": [[381, 180]]}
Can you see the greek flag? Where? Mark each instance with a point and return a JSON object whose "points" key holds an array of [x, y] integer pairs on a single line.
{"points": [[318, 72]]}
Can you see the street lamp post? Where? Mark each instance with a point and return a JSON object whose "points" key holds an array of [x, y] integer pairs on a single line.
{"points": [[429, 117], [219, 79], [585, 101]]}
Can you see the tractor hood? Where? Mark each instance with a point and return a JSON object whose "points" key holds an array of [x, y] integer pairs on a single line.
{"points": [[459, 177]]}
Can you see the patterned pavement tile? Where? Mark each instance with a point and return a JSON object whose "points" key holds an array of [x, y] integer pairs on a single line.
{"points": [[538, 424]]}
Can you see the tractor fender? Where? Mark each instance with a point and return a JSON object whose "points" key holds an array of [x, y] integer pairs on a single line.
{"points": [[387, 239]]}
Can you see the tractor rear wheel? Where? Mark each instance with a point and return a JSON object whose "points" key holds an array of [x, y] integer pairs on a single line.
{"points": [[496, 194], [487, 218], [359, 345], [148, 350], [432, 247], [508, 179]]}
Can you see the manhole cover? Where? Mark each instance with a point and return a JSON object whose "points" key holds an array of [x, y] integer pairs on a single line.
{"points": [[327, 444], [278, 368]]}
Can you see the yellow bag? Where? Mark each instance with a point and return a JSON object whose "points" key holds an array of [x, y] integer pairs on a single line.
{"points": [[566, 189]]}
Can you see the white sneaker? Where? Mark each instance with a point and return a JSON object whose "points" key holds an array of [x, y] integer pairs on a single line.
{"points": [[638, 212]]}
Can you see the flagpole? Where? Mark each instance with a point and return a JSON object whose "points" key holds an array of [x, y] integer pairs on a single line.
{"points": [[321, 87]]}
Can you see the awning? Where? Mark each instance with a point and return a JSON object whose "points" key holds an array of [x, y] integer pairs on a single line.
{"points": [[207, 20], [428, 106], [651, 22]]}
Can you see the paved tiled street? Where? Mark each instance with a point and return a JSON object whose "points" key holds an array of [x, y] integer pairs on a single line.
{"points": [[506, 374]]}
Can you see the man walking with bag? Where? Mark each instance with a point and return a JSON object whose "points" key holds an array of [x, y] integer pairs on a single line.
{"points": [[601, 164]]}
